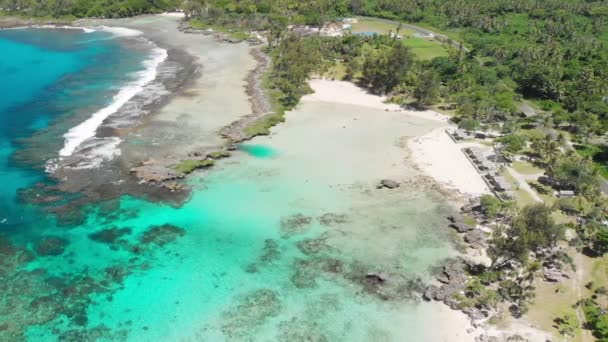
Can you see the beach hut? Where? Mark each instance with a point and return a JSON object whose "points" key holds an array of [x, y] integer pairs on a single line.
{"points": [[565, 194]]}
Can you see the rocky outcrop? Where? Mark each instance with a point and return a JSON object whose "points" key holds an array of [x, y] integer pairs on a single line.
{"points": [[452, 278], [156, 172], [458, 224], [475, 238], [387, 183]]}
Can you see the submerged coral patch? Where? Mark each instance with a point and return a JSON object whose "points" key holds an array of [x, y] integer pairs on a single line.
{"points": [[298, 330], [51, 246], [270, 253], [330, 219], [253, 310], [110, 235], [314, 246], [295, 225], [162, 235]]}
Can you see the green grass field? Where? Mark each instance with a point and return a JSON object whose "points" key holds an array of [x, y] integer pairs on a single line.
{"points": [[598, 153], [423, 48], [526, 168]]}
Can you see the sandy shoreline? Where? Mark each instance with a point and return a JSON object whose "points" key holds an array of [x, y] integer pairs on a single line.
{"points": [[434, 154], [437, 156], [371, 125]]}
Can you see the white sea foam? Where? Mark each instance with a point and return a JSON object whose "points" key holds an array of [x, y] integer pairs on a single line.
{"points": [[76, 136], [96, 151], [57, 27], [120, 31]]}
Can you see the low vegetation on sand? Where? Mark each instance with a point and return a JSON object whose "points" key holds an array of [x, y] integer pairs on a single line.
{"points": [[189, 165]]}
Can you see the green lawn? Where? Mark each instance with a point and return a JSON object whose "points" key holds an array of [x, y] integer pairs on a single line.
{"points": [[526, 168], [423, 48], [378, 26], [336, 71], [599, 154]]}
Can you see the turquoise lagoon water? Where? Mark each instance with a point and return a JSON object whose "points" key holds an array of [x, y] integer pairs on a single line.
{"points": [[256, 254]]}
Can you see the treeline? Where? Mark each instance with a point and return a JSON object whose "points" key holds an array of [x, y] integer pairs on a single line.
{"points": [[554, 52], [86, 8]]}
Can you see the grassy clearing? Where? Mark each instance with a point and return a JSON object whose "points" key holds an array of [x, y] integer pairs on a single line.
{"points": [[599, 154], [423, 48], [378, 26], [233, 32], [526, 168], [336, 71], [189, 165], [561, 218]]}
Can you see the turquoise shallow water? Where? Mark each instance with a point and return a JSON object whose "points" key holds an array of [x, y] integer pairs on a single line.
{"points": [[258, 253]]}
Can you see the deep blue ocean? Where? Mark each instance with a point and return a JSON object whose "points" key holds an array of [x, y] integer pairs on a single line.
{"points": [[52, 79]]}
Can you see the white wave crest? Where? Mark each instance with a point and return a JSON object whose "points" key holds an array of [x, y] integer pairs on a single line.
{"points": [[120, 31], [86, 130], [55, 27]]}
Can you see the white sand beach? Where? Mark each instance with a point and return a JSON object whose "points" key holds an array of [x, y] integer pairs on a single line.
{"points": [[435, 153], [363, 140]]}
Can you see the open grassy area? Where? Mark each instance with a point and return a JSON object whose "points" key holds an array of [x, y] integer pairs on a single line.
{"points": [[599, 154], [423, 48], [526, 168], [189, 165], [378, 26], [336, 71], [234, 33], [552, 300]]}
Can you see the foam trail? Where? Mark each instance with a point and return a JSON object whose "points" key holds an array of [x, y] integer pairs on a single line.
{"points": [[86, 130]]}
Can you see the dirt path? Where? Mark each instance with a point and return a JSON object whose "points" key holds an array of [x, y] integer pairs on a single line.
{"points": [[523, 184]]}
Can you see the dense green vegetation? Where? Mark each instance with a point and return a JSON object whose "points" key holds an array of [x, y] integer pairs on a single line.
{"points": [[597, 319], [86, 8]]}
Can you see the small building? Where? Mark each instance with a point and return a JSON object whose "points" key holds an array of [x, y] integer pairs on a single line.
{"points": [[565, 194]]}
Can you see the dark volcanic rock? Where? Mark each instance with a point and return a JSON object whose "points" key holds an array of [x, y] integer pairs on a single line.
{"points": [[453, 279], [475, 237], [460, 226], [387, 183], [51, 246], [162, 235], [110, 235]]}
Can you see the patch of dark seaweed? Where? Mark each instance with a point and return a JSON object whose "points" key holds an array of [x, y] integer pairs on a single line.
{"points": [[297, 330], [110, 235], [162, 235], [33, 298], [383, 285], [253, 309], [51, 246], [270, 253], [330, 219], [295, 225], [314, 246]]}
